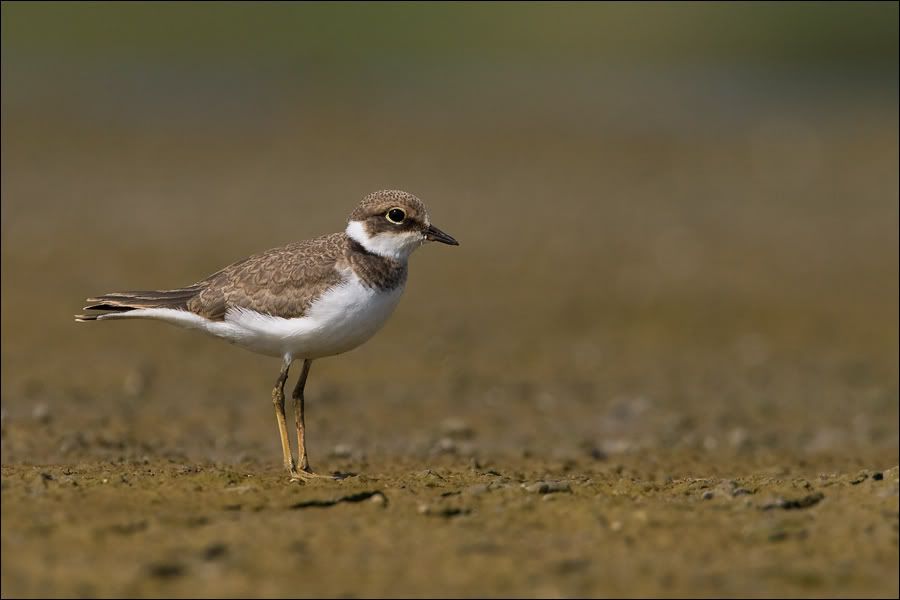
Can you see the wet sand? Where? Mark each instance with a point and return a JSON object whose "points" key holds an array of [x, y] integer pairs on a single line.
{"points": [[639, 526]]}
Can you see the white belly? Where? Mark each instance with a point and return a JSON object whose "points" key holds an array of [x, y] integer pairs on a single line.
{"points": [[342, 319]]}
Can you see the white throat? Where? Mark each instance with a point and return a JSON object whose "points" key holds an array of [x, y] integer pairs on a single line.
{"points": [[390, 245]]}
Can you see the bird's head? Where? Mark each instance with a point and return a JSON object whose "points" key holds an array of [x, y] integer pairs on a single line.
{"points": [[392, 223]]}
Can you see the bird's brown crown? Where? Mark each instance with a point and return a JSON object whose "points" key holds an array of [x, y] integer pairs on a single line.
{"points": [[398, 208]]}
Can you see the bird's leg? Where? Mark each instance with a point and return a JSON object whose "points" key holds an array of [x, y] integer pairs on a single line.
{"points": [[278, 401], [299, 420], [302, 471]]}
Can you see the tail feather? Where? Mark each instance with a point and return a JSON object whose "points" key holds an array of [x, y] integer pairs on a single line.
{"points": [[116, 303], [86, 318]]}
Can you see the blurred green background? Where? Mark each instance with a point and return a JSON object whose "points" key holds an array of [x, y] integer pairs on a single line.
{"points": [[389, 35], [679, 247]]}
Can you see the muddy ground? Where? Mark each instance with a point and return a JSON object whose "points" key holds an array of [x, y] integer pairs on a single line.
{"points": [[663, 360], [636, 526]]}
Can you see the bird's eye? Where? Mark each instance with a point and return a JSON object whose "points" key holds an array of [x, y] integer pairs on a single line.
{"points": [[396, 215]]}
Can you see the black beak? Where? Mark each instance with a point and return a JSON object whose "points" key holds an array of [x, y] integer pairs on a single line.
{"points": [[433, 234]]}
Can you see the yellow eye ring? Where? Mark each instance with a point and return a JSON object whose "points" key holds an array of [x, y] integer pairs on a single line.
{"points": [[395, 215]]}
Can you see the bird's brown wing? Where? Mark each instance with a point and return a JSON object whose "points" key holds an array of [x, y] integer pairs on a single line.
{"points": [[282, 282]]}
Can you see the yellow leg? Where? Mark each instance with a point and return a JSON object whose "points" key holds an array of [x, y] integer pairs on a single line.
{"points": [[278, 401], [303, 471]]}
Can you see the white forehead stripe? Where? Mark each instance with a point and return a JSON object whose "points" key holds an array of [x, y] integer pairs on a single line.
{"points": [[390, 245]]}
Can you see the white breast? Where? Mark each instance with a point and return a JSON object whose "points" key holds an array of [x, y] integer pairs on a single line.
{"points": [[341, 319]]}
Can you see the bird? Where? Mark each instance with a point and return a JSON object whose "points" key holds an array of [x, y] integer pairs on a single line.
{"points": [[299, 302]]}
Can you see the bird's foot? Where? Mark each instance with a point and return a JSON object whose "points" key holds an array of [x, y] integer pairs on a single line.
{"points": [[307, 474]]}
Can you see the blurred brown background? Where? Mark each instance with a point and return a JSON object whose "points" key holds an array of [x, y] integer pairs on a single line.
{"points": [[678, 225], [693, 205]]}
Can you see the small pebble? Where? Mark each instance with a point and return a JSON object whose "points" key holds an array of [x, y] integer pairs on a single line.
{"points": [[738, 438], [41, 413], [342, 451], [793, 503], [860, 477], [429, 475], [445, 445], [478, 489], [166, 570], [446, 512], [456, 428], [135, 382], [597, 453], [215, 551], [548, 487], [708, 495]]}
